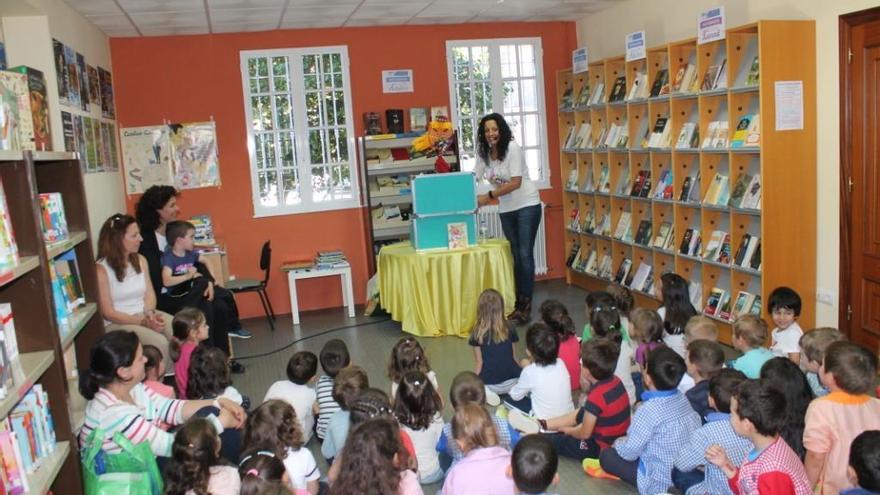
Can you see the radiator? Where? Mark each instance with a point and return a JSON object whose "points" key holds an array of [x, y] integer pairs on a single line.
{"points": [[489, 214]]}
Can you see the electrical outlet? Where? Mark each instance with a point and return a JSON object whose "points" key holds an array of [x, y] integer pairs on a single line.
{"points": [[825, 296]]}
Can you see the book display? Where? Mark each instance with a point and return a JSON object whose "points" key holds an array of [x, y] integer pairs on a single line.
{"points": [[389, 164], [685, 147], [48, 320]]}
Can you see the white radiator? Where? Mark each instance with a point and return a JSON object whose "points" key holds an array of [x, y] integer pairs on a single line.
{"points": [[489, 214]]}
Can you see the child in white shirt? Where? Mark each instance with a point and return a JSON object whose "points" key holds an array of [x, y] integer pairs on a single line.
{"points": [[301, 371], [545, 380], [784, 306]]}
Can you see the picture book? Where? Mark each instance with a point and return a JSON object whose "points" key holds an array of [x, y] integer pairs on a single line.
{"points": [[724, 251], [72, 77], [457, 235], [718, 191], [94, 85], [724, 307], [54, 222], [60, 71], [714, 245], [714, 302], [105, 80], [39, 106], [747, 123], [685, 136], [711, 77], [10, 338], [418, 119], [752, 197], [8, 246], [742, 304], [16, 121]]}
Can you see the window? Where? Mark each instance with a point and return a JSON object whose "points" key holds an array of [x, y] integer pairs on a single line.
{"points": [[504, 76], [300, 130]]}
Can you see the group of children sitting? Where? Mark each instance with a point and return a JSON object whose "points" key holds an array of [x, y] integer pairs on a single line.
{"points": [[644, 396]]}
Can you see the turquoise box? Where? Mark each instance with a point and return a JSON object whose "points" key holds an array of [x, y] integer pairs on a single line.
{"points": [[438, 201]]}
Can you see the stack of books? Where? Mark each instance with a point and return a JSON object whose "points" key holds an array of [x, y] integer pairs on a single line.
{"points": [[331, 259]]}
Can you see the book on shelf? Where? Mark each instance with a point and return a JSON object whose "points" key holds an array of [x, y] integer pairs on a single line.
{"points": [[716, 135], [747, 250], [54, 221], [567, 100], [741, 250], [604, 227], [33, 431], [687, 184], [714, 301], [714, 245], [604, 183], [664, 186], [612, 136], [580, 263], [622, 138], [724, 307], [711, 78], [646, 187], [753, 76], [724, 251], [592, 263], [747, 132], [719, 191], [623, 182], [39, 107], [583, 139], [686, 136], [10, 339], [694, 193], [8, 247], [623, 226], [583, 96], [661, 82], [664, 232], [756, 306], [568, 142], [694, 243], [623, 271], [589, 224], [589, 185], [605, 266], [598, 94], [643, 233], [695, 293], [742, 305], [639, 88], [618, 91], [721, 80], [755, 259], [574, 221], [658, 132], [639, 182], [641, 277], [18, 122], [684, 78], [572, 179], [739, 190], [752, 197], [600, 137], [572, 255]]}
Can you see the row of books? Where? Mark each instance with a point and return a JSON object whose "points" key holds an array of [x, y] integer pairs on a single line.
{"points": [[27, 438], [687, 80], [644, 232], [746, 192], [718, 249], [718, 304]]}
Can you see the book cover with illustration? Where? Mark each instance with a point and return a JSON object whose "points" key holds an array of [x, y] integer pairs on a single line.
{"points": [[457, 235], [73, 77], [16, 123], [39, 105], [68, 130], [94, 85], [105, 80], [60, 71], [83, 82]]}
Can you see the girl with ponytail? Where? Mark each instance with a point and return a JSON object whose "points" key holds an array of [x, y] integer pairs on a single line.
{"points": [[195, 467]]}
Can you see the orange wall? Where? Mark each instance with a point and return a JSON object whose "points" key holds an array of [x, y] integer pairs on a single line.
{"points": [[192, 78]]}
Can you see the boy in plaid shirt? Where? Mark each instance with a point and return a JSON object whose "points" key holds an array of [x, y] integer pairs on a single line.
{"points": [[659, 428]]}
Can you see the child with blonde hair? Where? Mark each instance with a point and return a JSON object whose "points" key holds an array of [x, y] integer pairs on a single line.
{"points": [[700, 327], [484, 466], [813, 345], [408, 355], [749, 337], [417, 407], [646, 330], [492, 338], [349, 383]]}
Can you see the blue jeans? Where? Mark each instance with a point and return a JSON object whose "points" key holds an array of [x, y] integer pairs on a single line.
{"points": [[520, 228], [572, 447]]}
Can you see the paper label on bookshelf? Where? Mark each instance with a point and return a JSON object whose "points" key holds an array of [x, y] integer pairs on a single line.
{"points": [[579, 60], [635, 46], [710, 25], [397, 81], [789, 105]]}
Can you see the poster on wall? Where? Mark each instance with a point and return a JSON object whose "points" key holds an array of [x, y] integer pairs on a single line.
{"points": [[60, 71], [397, 81], [94, 85], [105, 80], [183, 155]]}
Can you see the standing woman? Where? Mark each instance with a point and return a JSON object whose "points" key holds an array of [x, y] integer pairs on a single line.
{"points": [[500, 161], [156, 208], [125, 294]]}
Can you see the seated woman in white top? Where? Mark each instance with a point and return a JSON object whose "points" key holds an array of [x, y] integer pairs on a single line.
{"points": [[125, 293], [119, 402]]}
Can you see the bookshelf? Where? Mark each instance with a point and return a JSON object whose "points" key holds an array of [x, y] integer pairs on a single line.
{"points": [[785, 161], [27, 287], [386, 186]]}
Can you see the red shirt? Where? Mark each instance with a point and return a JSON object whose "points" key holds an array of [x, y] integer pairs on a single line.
{"points": [[570, 354], [609, 403]]}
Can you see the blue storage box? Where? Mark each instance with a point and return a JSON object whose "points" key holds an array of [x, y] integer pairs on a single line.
{"points": [[438, 201]]}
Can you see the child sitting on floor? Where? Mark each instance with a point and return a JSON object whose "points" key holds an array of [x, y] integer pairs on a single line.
{"points": [[484, 466], [864, 464], [417, 407], [658, 430], [749, 335], [334, 356], [301, 370], [813, 345], [784, 306], [492, 338], [408, 355], [533, 465], [704, 359], [545, 382], [556, 316], [154, 369], [757, 412]]}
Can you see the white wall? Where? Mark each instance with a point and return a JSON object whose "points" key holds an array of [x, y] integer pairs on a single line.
{"points": [[28, 29], [672, 20]]}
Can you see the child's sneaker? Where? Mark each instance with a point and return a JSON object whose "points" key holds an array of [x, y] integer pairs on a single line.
{"points": [[523, 423], [594, 470], [492, 398]]}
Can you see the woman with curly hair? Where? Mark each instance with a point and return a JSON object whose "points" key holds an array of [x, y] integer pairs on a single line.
{"points": [[155, 210], [195, 467], [371, 463], [501, 162], [273, 427]]}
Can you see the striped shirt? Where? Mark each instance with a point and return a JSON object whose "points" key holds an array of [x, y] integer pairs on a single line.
{"points": [[326, 405], [718, 429], [609, 403], [659, 429], [139, 422]]}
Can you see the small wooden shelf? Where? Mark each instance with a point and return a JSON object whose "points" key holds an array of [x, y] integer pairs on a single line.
{"points": [[40, 480], [76, 323], [25, 264], [55, 248], [29, 367]]}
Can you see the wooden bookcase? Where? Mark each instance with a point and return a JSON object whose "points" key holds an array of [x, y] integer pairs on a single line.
{"points": [[42, 341], [786, 161], [379, 233]]}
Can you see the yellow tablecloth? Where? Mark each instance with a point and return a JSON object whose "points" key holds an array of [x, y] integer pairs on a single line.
{"points": [[435, 293]]}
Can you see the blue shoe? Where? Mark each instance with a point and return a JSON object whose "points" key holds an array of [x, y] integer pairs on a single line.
{"points": [[240, 333]]}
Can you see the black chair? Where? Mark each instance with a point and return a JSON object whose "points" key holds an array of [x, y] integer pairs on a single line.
{"points": [[259, 286]]}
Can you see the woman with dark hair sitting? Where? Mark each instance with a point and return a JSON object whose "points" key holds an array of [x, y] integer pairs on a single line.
{"points": [[155, 210], [500, 161], [119, 402]]}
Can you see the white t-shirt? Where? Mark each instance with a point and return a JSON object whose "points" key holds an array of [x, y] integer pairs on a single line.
{"points": [[624, 369], [785, 342], [127, 296], [162, 241], [301, 467], [549, 388], [686, 383], [425, 444], [499, 173], [301, 398], [432, 377]]}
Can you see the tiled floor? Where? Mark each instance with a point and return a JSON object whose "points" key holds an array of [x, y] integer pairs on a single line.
{"points": [[369, 340]]}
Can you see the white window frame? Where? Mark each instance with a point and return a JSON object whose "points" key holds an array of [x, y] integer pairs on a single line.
{"points": [[302, 158], [497, 81]]}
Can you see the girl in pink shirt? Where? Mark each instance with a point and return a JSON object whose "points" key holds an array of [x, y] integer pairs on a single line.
{"points": [[556, 316], [195, 465], [155, 370], [190, 327], [484, 466]]}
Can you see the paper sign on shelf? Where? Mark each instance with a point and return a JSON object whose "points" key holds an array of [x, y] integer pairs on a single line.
{"points": [[710, 25], [789, 105], [397, 81], [579, 61], [635, 46]]}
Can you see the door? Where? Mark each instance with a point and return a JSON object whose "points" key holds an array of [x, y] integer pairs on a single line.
{"points": [[860, 191]]}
